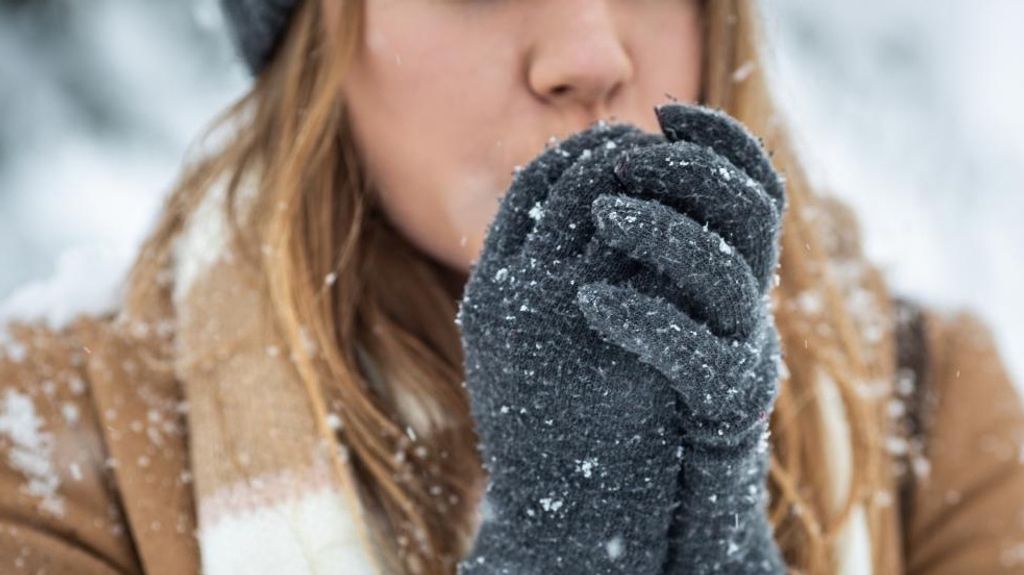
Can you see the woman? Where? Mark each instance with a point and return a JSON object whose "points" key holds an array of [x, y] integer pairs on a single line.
{"points": [[282, 389]]}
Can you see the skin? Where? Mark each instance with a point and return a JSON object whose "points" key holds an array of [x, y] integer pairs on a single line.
{"points": [[447, 97]]}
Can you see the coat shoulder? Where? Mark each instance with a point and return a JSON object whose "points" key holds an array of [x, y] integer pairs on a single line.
{"points": [[969, 489], [59, 505]]}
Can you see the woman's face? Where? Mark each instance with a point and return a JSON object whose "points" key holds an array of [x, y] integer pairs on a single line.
{"points": [[447, 97]]}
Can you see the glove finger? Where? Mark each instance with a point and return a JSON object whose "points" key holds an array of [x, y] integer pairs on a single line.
{"points": [[563, 225], [709, 189], [531, 184], [718, 379], [714, 283], [601, 261], [661, 335], [726, 136]]}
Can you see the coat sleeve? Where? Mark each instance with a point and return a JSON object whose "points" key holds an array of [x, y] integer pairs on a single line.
{"points": [[59, 511], [966, 513]]}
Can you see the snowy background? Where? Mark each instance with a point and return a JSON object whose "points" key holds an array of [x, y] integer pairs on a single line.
{"points": [[909, 109]]}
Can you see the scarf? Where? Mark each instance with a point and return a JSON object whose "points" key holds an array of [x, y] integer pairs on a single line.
{"points": [[268, 499]]}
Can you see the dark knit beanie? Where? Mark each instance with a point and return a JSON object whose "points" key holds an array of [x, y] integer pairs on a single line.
{"points": [[256, 27]]}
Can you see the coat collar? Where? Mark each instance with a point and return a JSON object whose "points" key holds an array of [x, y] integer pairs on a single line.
{"points": [[142, 421]]}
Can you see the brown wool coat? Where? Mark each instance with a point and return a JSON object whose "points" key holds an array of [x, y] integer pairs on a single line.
{"points": [[122, 448]]}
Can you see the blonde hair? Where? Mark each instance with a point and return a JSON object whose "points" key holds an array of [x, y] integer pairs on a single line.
{"points": [[388, 352]]}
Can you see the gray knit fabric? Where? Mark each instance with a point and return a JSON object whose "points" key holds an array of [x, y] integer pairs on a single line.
{"points": [[621, 358], [256, 27]]}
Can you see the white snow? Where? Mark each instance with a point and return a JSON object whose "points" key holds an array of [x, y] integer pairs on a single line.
{"points": [[536, 212], [334, 421], [70, 412], [31, 451], [586, 466], [87, 279], [615, 547], [550, 504]]}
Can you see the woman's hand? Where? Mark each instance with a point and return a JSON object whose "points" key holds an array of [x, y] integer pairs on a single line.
{"points": [[707, 229], [591, 374], [579, 437]]}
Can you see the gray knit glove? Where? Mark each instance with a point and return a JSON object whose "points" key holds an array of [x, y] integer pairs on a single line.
{"points": [[580, 446], [704, 211], [584, 401]]}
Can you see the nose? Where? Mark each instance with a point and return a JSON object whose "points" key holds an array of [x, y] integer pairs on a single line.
{"points": [[579, 59]]}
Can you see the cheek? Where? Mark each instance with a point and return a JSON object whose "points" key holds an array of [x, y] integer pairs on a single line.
{"points": [[427, 121], [438, 193], [444, 209]]}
